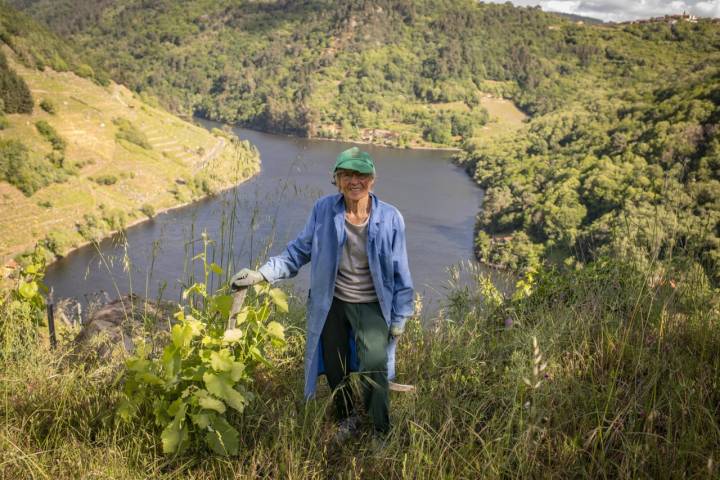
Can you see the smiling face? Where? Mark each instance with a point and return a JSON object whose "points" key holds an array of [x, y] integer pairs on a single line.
{"points": [[354, 185]]}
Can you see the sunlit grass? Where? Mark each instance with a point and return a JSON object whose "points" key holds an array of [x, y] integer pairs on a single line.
{"points": [[622, 384]]}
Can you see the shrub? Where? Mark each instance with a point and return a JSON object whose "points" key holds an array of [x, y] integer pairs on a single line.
{"points": [[115, 218], [128, 132], [106, 179], [205, 371], [85, 71], [148, 210], [58, 242], [14, 92], [48, 106], [50, 134], [438, 131], [91, 228], [26, 172]]}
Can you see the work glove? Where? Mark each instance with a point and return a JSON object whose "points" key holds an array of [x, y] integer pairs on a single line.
{"points": [[396, 330], [245, 278]]}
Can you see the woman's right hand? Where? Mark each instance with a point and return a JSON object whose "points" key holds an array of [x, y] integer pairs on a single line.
{"points": [[245, 278]]}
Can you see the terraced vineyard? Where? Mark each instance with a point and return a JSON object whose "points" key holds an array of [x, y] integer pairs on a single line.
{"points": [[114, 177]]}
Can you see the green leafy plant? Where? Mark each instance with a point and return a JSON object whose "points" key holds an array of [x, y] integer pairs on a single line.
{"points": [[205, 371]]}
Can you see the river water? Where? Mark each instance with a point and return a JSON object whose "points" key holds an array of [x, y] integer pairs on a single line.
{"points": [[437, 199]]}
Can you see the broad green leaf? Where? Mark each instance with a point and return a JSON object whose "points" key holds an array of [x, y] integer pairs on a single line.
{"points": [[135, 364], [193, 373], [221, 361], [237, 372], [195, 288], [126, 409], [196, 326], [202, 420], [171, 361], [233, 335], [223, 438], [150, 378], [175, 434], [178, 407], [242, 316], [32, 269], [216, 268], [221, 386], [279, 298], [208, 402], [181, 335], [27, 290], [257, 355], [221, 304], [276, 330]]}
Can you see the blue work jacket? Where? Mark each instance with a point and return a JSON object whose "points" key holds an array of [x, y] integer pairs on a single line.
{"points": [[321, 242]]}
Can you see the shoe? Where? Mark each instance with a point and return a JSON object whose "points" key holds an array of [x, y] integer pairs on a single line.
{"points": [[347, 428]]}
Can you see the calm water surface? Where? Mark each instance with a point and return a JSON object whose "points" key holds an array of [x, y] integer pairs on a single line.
{"points": [[437, 199]]}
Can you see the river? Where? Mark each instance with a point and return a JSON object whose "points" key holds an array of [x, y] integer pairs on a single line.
{"points": [[437, 199]]}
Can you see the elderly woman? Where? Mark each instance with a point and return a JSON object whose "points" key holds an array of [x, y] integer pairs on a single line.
{"points": [[360, 289]]}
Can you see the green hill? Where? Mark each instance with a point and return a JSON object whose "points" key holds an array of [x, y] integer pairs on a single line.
{"points": [[620, 143], [81, 156]]}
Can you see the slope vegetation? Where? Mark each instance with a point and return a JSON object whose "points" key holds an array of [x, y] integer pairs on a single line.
{"points": [[85, 159], [618, 157]]}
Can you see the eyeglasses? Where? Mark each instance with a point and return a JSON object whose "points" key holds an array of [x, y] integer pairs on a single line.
{"points": [[349, 174]]}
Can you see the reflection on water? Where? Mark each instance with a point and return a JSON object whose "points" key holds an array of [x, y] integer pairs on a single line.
{"points": [[437, 199]]}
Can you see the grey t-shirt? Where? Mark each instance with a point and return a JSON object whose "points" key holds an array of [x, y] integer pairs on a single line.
{"points": [[354, 282]]}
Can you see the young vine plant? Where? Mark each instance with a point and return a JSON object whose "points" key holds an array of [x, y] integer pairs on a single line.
{"points": [[205, 370]]}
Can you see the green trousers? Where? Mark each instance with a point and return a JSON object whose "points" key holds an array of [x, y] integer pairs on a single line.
{"points": [[371, 339]]}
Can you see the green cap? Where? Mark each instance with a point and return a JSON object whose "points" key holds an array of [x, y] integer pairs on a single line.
{"points": [[355, 159]]}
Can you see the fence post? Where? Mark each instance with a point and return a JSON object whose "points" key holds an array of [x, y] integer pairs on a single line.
{"points": [[51, 319]]}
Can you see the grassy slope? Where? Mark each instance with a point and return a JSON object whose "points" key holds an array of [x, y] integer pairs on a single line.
{"points": [[84, 118], [625, 387]]}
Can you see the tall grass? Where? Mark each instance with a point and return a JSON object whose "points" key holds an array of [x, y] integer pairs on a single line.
{"points": [[612, 371], [631, 389]]}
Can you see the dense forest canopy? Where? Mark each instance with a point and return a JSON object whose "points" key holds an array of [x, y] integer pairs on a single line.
{"points": [[620, 154]]}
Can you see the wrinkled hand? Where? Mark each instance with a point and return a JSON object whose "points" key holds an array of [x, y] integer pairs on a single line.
{"points": [[396, 331], [245, 278]]}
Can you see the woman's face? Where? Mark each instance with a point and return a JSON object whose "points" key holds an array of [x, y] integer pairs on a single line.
{"points": [[354, 185]]}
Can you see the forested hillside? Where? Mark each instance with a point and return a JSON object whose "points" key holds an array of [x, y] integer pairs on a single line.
{"points": [[620, 153], [81, 156], [416, 71]]}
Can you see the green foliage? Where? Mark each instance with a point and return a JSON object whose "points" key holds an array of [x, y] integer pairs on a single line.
{"points": [[130, 133], [106, 179], [37, 47], [26, 172], [92, 228], [48, 105], [114, 218], [57, 242], [148, 210], [205, 372], [438, 131], [14, 92], [23, 308], [614, 176], [51, 135]]}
